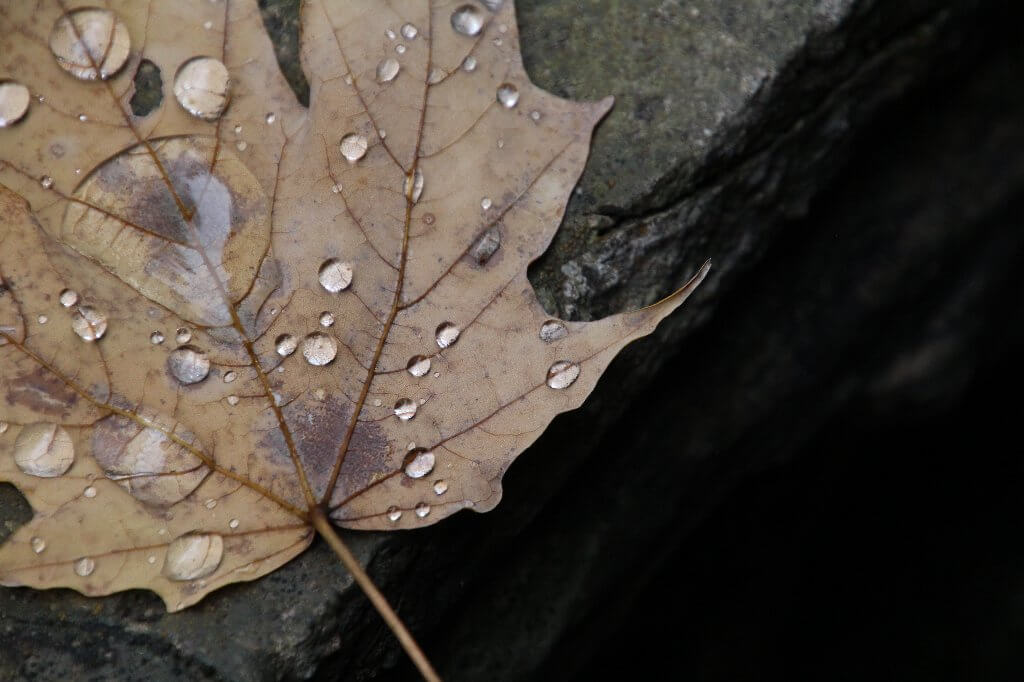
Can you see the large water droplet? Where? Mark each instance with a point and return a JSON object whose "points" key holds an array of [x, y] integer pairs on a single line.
{"points": [[422, 509], [38, 545], [409, 32], [335, 275], [193, 555], [562, 374], [486, 246], [14, 99], [89, 324], [285, 345], [44, 450], [508, 95], [90, 43], [446, 334], [418, 365], [414, 185], [68, 298], [405, 409], [467, 20], [188, 364], [419, 463], [353, 147], [201, 87], [84, 567], [319, 349], [387, 70], [552, 330]]}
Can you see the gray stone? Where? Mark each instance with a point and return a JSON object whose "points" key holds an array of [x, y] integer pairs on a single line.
{"points": [[732, 116]]}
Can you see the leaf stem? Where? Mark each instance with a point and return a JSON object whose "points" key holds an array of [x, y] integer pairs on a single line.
{"points": [[326, 530]]}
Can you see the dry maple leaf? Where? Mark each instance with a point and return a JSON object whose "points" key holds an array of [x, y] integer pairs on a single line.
{"points": [[234, 318]]}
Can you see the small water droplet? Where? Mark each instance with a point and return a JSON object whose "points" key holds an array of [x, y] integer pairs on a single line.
{"points": [[400, 49], [232, 400], [241, 145], [485, 203], [409, 32], [193, 556], [44, 450], [326, 319], [38, 545], [535, 115], [89, 324], [233, 524], [207, 24], [422, 509], [552, 330], [188, 364], [42, 319], [411, 445], [151, 559], [156, 338], [201, 87], [405, 409], [84, 567], [46, 181], [211, 503], [390, 34], [271, 117], [3, 427], [335, 275], [437, 74], [493, 5], [353, 147], [419, 463], [68, 298], [383, 133], [387, 70], [469, 64], [89, 492], [285, 345], [183, 335], [446, 334], [90, 43], [418, 365], [508, 95], [377, 402], [428, 218], [320, 394], [486, 246], [414, 185], [467, 20], [14, 100], [319, 349], [230, 376], [437, 374], [394, 513], [336, 188], [501, 143], [440, 487], [562, 374], [83, 118]]}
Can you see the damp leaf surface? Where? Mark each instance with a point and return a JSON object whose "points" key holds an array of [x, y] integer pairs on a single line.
{"points": [[232, 310]]}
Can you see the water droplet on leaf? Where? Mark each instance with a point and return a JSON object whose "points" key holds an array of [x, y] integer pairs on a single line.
{"points": [[201, 87], [90, 43], [335, 276], [326, 319], [508, 95], [467, 20], [193, 555], [46, 181], [183, 335], [469, 64], [14, 99], [440, 487], [387, 70], [233, 524], [89, 324], [230, 376], [84, 567], [485, 203], [285, 345], [319, 349], [422, 509], [446, 334], [418, 365], [419, 463], [552, 330], [405, 409], [38, 545], [353, 147], [485, 246], [68, 298], [562, 374], [44, 450], [156, 338], [414, 185], [89, 492], [394, 513], [409, 32], [188, 364]]}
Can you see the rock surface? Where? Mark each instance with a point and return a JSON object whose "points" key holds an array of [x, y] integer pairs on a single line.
{"points": [[734, 119]]}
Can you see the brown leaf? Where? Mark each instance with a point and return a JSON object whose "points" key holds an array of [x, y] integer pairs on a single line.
{"points": [[230, 312]]}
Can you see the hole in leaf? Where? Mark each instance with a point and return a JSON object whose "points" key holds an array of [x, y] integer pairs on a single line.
{"points": [[148, 89], [281, 19]]}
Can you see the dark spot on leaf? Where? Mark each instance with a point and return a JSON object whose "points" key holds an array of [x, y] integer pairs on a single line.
{"points": [[148, 89]]}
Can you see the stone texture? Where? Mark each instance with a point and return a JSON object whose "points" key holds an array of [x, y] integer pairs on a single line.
{"points": [[732, 121]]}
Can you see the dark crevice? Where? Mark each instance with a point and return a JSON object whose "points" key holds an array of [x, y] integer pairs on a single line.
{"points": [[149, 91]]}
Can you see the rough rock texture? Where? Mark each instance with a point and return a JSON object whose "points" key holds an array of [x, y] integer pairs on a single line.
{"points": [[732, 139]]}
